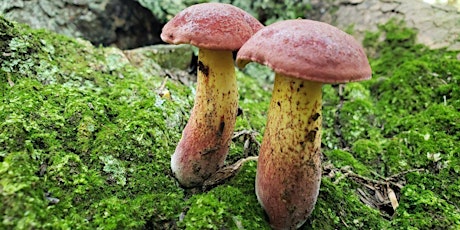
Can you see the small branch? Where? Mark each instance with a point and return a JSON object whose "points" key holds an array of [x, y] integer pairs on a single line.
{"points": [[384, 181], [225, 173], [403, 173], [252, 138]]}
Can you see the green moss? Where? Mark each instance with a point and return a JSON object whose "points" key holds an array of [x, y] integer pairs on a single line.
{"points": [[358, 115], [92, 133], [411, 77], [405, 118], [254, 102], [368, 152], [338, 207], [233, 205], [331, 101], [424, 209], [426, 140], [20, 192], [342, 158], [206, 212]]}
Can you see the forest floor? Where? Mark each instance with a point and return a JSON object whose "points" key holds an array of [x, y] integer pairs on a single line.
{"points": [[86, 139]]}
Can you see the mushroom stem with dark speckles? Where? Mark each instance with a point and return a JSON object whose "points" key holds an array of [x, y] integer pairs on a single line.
{"points": [[205, 139], [304, 54], [290, 152], [217, 29]]}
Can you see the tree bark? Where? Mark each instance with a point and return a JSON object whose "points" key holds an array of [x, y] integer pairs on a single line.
{"points": [[125, 24], [437, 26]]}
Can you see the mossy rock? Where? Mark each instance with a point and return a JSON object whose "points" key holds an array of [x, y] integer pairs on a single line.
{"points": [[166, 56]]}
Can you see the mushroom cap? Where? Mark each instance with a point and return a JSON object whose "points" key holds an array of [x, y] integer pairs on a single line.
{"points": [[308, 50], [216, 26]]}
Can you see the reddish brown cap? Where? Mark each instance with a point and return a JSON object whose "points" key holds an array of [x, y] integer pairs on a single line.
{"points": [[309, 50], [217, 26]]}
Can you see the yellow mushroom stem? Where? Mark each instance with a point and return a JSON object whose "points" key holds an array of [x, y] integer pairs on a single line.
{"points": [[205, 140], [289, 166]]}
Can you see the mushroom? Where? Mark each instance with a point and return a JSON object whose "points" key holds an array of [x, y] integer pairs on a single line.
{"points": [[304, 54], [217, 29]]}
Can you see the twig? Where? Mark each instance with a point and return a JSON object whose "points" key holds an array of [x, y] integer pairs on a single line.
{"points": [[404, 173], [252, 138], [226, 173], [384, 181]]}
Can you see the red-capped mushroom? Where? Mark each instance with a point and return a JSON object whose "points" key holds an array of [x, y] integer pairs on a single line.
{"points": [[216, 29], [304, 54]]}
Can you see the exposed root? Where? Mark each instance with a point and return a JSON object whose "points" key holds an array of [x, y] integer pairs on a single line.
{"points": [[225, 173]]}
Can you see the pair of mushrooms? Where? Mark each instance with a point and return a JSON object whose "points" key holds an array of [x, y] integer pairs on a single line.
{"points": [[304, 54]]}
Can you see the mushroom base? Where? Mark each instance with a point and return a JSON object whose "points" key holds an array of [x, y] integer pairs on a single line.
{"points": [[205, 139], [289, 166]]}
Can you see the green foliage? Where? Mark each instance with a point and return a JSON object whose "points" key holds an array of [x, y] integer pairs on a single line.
{"points": [[268, 12], [164, 10]]}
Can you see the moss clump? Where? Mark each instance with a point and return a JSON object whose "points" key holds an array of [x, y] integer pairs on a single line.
{"points": [[358, 115], [84, 138], [369, 153], [406, 118], [343, 159], [415, 93], [424, 209], [233, 205], [427, 139], [338, 207]]}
